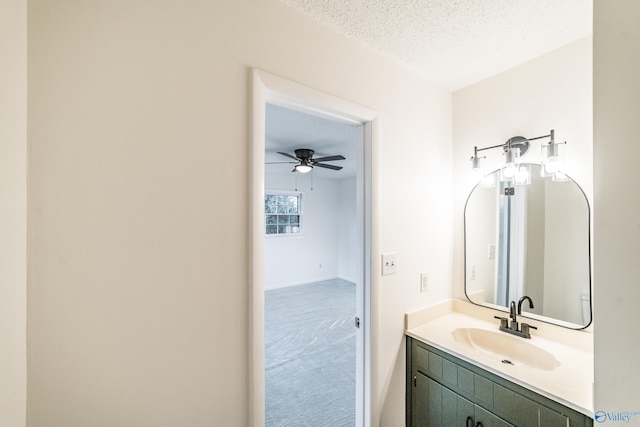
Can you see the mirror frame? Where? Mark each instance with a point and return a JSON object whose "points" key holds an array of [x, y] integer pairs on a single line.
{"points": [[533, 316]]}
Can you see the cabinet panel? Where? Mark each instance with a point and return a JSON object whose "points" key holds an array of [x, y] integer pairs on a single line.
{"points": [[483, 391], [449, 374], [419, 401], [498, 422], [548, 418], [465, 411], [449, 407], [487, 419], [435, 366], [435, 403], [465, 382], [526, 412], [503, 402], [456, 409], [420, 358]]}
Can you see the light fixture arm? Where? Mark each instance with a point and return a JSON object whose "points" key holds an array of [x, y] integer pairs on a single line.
{"points": [[552, 143], [475, 154]]}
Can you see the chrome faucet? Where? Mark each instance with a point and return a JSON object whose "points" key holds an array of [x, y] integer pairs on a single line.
{"points": [[514, 328]]}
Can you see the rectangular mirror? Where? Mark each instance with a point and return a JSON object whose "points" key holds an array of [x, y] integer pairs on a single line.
{"points": [[530, 238]]}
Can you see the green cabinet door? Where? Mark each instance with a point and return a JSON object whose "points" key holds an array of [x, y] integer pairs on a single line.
{"points": [[420, 400]]}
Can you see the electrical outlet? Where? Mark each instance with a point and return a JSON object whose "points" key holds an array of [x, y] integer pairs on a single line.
{"points": [[389, 263], [423, 282]]}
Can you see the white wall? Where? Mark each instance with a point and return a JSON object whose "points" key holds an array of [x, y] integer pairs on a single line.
{"points": [[138, 203], [553, 91], [328, 246], [313, 255], [13, 213], [348, 245], [617, 206]]}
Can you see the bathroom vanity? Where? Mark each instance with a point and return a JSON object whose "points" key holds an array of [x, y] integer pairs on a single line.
{"points": [[462, 371]]}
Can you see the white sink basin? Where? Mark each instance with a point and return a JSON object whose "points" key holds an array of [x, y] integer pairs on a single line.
{"points": [[512, 350]]}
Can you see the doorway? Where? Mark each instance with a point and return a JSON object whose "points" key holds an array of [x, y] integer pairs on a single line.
{"points": [[272, 90], [311, 269]]}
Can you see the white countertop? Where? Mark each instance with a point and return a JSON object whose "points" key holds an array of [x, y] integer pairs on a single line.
{"points": [[570, 384]]}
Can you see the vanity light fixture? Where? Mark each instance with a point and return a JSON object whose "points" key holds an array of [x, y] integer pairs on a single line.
{"points": [[513, 149]]}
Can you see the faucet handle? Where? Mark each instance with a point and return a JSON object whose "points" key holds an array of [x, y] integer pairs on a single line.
{"points": [[525, 328], [504, 322]]}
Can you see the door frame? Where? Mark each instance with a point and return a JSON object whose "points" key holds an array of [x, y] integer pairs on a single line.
{"points": [[268, 88]]}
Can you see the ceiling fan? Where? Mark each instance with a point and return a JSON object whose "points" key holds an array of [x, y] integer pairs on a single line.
{"points": [[305, 161]]}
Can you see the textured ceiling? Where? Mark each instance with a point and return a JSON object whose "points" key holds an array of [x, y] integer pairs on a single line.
{"points": [[455, 43]]}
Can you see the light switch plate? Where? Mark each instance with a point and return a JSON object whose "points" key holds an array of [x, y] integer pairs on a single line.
{"points": [[389, 263]]}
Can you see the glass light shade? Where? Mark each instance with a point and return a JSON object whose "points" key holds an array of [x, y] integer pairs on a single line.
{"points": [[550, 158], [303, 168], [511, 157], [477, 174], [476, 171], [510, 170], [559, 177], [552, 164], [523, 175]]}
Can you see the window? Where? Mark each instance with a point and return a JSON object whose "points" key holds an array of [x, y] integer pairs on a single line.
{"points": [[283, 213]]}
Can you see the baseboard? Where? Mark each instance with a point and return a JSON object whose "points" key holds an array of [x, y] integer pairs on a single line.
{"points": [[298, 283]]}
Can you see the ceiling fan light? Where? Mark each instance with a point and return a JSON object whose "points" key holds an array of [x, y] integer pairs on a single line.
{"points": [[303, 168]]}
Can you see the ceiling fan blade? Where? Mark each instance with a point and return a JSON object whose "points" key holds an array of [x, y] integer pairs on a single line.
{"points": [[329, 158], [279, 163], [288, 155], [322, 165]]}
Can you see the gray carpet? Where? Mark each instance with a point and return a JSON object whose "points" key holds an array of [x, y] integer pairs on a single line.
{"points": [[310, 344]]}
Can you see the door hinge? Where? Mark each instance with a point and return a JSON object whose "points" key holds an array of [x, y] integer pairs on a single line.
{"points": [[414, 380], [357, 322]]}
